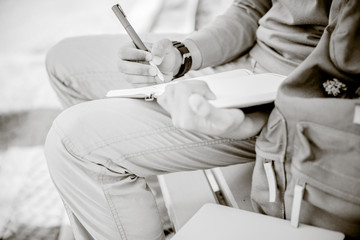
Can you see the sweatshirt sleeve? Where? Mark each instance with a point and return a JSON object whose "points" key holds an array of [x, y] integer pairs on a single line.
{"points": [[230, 34]]}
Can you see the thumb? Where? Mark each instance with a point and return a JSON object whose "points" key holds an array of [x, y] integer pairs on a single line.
{"points": [[159, 50], [205, 91], [199, 105], [209, 95]]}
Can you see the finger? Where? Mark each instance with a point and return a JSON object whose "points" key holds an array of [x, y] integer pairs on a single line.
{"points": [[199, 105], [225, 118], [166, 98], [133, 54], [160, 49], [136, 68], [219, 121], [159, 75], [162, 101], [148, 45], [196, 86], [167, 77], [159, 80], [206, 91]]}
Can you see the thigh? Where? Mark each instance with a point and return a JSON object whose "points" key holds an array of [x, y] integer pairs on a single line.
{"points": [[89, 64], [140, 137]]}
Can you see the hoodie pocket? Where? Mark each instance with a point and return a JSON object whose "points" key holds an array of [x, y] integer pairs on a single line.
{"points": [[327, 162]]}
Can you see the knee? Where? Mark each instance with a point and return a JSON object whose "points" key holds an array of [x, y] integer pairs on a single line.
{"points": [[69, 134], [77, 140], [79, 131], [65, 148], [53, 150], [66, 144], [56, 60], [59, 150], [62, 57]]}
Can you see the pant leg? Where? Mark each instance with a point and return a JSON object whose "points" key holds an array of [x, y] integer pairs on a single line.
{"points": [[85, 68], [99, 153]]}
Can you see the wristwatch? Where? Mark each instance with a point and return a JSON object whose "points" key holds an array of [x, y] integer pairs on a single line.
{"points": [[186, 59]]}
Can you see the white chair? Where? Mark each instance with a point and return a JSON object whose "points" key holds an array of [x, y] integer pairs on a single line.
{"points": [[195, 202], [186, 192]]}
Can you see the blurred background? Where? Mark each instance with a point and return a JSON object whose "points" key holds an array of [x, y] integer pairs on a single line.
{"points": [[29, 205]]}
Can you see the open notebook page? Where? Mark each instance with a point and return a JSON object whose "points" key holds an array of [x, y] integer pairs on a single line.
{"points": [[237, 88]]}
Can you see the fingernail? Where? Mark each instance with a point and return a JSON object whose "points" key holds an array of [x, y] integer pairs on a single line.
{"points": [[157, 60], [152, 72]]}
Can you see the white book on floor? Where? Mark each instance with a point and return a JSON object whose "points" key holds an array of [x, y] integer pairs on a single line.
{"points": [[215, 222], [237, 88]]}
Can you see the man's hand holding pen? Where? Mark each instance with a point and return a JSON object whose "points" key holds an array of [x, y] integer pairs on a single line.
{"points": [[186, 102], [133, 63]]}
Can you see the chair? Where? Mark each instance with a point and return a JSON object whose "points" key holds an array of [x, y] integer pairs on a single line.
{"points": [[186, 192], [215, 204]]}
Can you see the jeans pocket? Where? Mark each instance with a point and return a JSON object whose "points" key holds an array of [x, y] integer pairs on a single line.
{"points": [[327, 160]]}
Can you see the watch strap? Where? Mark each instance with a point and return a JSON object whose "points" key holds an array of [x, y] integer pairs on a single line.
{"points": [[186, 59]]}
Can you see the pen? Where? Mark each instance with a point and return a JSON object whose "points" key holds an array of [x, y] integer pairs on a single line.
{"points": [[133, 35]]}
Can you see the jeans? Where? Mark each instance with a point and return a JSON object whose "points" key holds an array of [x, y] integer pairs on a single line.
{"points": [[100, 153]]}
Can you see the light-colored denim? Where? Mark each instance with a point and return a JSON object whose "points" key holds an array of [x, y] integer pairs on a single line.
{"points": [[85, 68], [100, 152]]}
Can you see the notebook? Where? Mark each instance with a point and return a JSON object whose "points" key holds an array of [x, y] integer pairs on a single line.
{"points": [[237, 88], [215, 222]]}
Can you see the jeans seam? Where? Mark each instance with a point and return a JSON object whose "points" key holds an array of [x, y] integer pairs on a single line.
{"points": [[83, 76], [180, 147], [71, 220], [111, 205], [117, 139], [90, 73], [125, 158], [70, 146]]}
